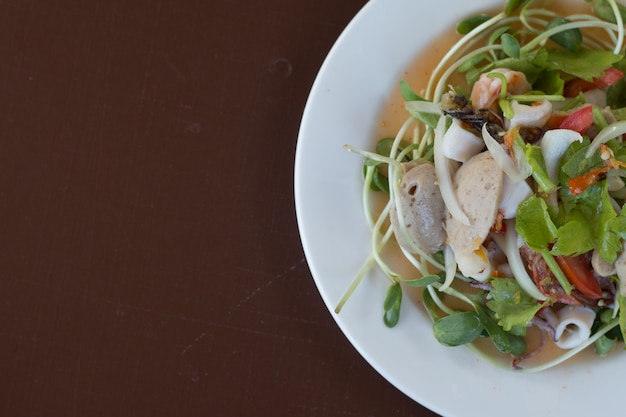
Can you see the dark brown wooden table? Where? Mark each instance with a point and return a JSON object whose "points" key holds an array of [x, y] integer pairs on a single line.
{"points": [[150, 262]]}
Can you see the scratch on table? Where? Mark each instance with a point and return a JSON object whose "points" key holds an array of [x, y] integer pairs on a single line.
{"points": [[194, 342], [251, 295]]}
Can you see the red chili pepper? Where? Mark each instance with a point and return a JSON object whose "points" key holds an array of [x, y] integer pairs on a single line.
{"points": [[579, 184], [579, 121], [579, 274]]}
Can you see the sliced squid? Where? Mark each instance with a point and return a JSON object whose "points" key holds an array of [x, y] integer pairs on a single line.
{"points": [[460, 144], [572, 325], [530, 115]]}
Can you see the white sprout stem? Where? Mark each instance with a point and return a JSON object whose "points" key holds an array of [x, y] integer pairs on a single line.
{"points": [[477, 30], [544, 36], [375, 242], [438, 301], [450, 269], [365, 268], [620, 26], [591, 340], [454, 293], [443, 82], [418, 264], [367, 209]]}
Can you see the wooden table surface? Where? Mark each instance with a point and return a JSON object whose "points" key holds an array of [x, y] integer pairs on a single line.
{"points": [[150, 259]]}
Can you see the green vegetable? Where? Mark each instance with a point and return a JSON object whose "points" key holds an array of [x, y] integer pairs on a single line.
{"points": [[408, 94], [510, 45], [512, 6], [535, 159], [568, 39], [535, 226], [391, 305], [504, 341], [473, 22], [511, 305], [458, 329], [585, 63], [604, 11]]}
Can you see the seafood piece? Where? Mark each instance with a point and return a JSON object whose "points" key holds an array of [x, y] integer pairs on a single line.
{"points": [[533, 115], [459, 143], [572, 325], [457, 107], [486, 90], [423, 211], [600, 266]]}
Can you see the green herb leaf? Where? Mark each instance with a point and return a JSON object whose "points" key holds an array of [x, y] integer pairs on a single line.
{"points": [[550, 82], [430, 305], [535, 159], [499, 337], [604, 11], [408, 94], [391, 305], [534, 225], [611, 228], [512, 6], [458, 329], [585, 63], [510, 45], [604, 345], [468, 25], [511, 305], [568, 39], [575, 237], [621, 300]]}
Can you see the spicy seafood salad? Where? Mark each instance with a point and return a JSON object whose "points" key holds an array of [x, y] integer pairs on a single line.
{"points": [[505, 187]]}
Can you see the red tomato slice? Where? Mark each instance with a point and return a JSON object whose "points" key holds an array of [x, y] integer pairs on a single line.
{"points": [[579, 273], [578, 85], [610, 77], [579, 121]]}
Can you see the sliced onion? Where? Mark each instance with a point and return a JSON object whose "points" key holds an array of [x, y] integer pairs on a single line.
{"points": [[553, 145], [518, 169], [444, 176], [611, 131], [509, 243]]}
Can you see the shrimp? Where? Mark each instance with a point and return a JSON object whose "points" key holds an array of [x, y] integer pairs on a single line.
{"points": [[486, 90]]}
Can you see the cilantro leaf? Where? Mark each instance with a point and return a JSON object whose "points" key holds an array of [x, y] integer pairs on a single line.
{"points": [[534, 225], [586, 63], [612, 228], [512, 306], [575, 237]]}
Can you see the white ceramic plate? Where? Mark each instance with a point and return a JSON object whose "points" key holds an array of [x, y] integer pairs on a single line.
{"points": [[356, 79]]}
